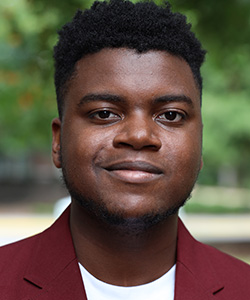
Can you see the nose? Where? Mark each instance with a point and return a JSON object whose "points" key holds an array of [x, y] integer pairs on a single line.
{"points": [[139, 133]]}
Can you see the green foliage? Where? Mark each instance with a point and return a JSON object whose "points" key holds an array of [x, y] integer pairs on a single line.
{"points": [[224, 29], [27, 36], [28, 32]]}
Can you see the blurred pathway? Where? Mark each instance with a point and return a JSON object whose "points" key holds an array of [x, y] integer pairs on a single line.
{"points": [[14, 227], [219, 228]]}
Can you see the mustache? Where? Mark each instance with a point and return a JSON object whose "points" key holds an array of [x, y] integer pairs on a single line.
{"points": [[137, 165]]}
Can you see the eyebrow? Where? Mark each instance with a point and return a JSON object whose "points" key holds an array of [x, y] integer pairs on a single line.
{"points": [[174, 98], [101, 97], [92, 97]]}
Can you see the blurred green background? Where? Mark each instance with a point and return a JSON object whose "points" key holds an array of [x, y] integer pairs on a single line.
{"points": [[28, 32]]}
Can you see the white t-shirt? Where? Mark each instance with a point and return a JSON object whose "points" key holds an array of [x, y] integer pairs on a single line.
{"points": [[160, 289]]}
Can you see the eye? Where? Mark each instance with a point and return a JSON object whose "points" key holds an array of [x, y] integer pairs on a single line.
{"points": [[104, 115], [171, 116]]}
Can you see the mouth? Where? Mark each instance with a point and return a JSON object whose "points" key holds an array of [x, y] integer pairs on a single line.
{"points": [[134, 172]]}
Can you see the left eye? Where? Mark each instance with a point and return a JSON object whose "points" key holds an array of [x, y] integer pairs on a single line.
{"points": [[104, 115], [171, 116]]}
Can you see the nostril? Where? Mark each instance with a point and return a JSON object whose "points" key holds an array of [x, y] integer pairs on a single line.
{"points": [[138, 134], [151, 143], [122, 144], [137, 147]]}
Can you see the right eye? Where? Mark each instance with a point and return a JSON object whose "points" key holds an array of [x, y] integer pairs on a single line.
{"points": [[105, 115]]}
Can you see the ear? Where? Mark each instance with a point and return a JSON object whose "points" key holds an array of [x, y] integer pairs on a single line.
{"points": [[56, 134]]}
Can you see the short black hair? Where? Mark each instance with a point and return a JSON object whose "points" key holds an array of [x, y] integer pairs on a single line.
{"points": [[142, 26]]}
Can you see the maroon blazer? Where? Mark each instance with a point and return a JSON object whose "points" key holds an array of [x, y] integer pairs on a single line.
{"points": [[45, 267]]}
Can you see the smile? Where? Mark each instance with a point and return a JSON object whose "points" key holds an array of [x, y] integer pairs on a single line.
{"points": [[134, 172]]}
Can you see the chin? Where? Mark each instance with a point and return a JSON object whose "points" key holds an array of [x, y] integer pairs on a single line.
{"points": [[121, 221]]}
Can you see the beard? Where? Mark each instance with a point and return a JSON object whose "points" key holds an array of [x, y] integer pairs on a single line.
{"points": [[132, 226]]}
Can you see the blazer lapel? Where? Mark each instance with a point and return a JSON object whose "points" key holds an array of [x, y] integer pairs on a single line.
{"points": [[196, 278], [67, 285], [53, 267]]}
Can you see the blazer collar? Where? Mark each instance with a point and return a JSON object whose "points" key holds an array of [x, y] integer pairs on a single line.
{"points": [[53, 267], [196, 277]]}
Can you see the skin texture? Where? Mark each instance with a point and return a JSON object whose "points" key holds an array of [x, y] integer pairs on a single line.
{"points": [[130, 142]]}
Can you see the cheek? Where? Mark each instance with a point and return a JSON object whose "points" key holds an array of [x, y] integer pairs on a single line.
{"points": [[81, 148], [186, 156]]}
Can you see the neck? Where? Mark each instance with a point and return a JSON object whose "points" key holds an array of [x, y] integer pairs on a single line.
{"points": [[123, 257]]}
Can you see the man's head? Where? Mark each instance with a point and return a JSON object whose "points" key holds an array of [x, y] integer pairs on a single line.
{"points": [[142, 26], [129, 136]]}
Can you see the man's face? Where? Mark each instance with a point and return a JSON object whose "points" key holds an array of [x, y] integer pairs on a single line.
{"points": [[131, 135]]}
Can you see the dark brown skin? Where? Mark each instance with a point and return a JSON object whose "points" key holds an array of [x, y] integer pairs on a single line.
{"points": [[135, 159]]}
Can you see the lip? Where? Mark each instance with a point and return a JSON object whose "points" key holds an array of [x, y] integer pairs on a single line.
{"points": [[134, 172]]}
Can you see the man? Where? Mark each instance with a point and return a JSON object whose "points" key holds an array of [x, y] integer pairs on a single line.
{"points": [[128, 140]]}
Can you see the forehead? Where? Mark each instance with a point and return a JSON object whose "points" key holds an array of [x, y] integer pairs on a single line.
{"points": [[127, 71]]}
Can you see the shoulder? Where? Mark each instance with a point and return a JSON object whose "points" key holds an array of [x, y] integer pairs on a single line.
{"points": [[14, 261], [16, 255], [192, 251], [225, 264], [232, 272], [211, 267]]}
